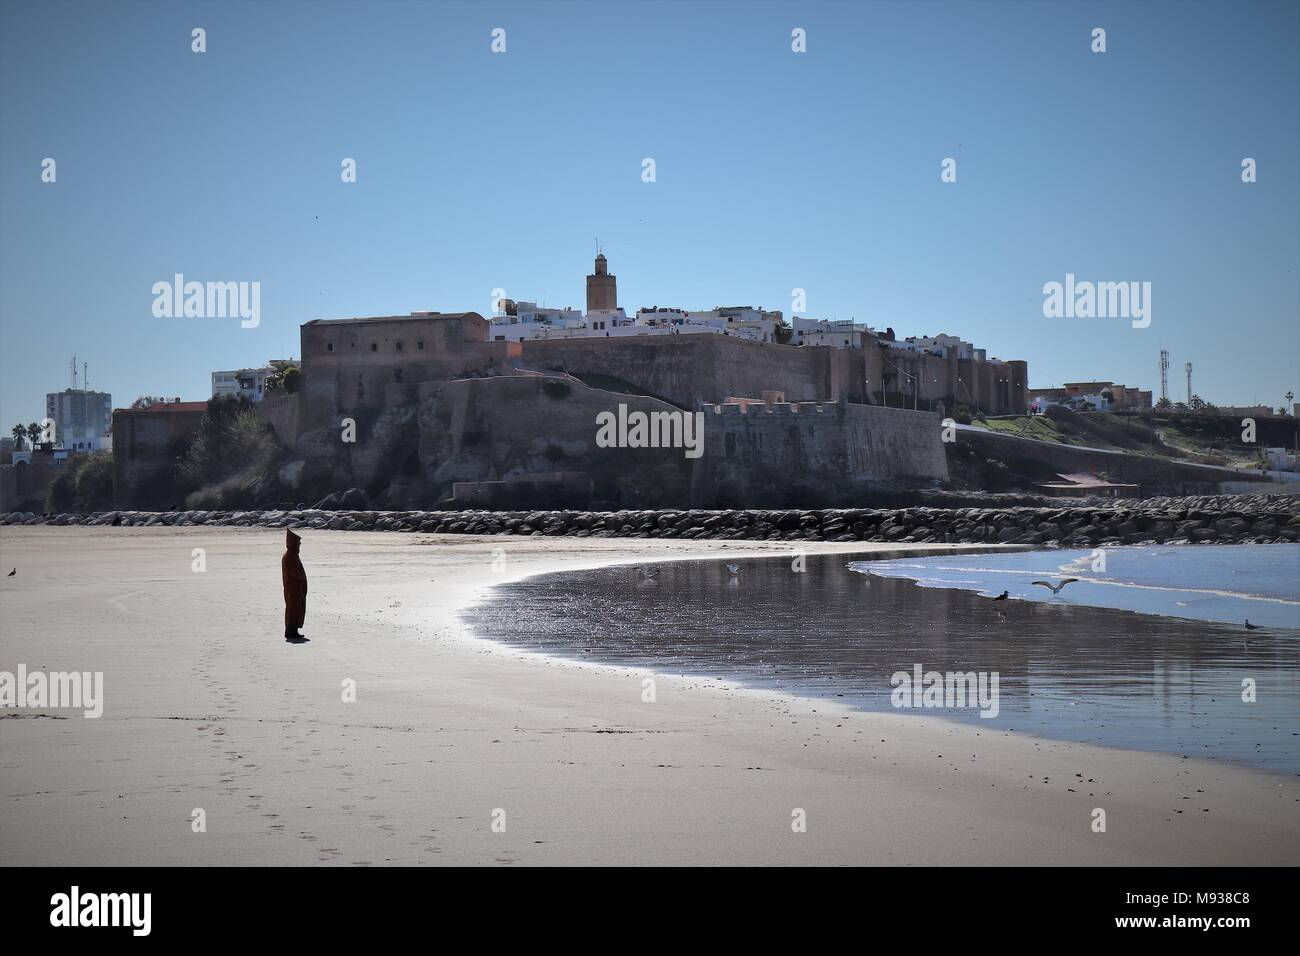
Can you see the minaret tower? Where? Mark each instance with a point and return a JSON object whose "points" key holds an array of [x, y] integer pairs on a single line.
{"points": [[602, 288]]}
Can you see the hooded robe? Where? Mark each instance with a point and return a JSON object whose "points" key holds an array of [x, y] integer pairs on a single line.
{"points": [[295, 583]]}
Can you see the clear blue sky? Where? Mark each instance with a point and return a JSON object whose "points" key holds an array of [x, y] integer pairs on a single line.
{"points": [[775, 170]]}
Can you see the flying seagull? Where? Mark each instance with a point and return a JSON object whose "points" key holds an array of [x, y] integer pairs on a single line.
{"points": [[1251, 627], [1002, 596], [733, 568], [1055, 588]]}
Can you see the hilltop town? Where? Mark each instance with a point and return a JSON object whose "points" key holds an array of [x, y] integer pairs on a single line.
{"points": [[458, 410]]}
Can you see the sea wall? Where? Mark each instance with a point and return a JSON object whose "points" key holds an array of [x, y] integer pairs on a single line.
{"points": [[1225, 519]]}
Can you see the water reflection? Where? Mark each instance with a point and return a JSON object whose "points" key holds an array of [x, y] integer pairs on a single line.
{"points": [[1076, 673]]}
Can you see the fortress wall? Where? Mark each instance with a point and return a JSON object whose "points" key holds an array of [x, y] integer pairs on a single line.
{"points": [[519, 428], [281, 413], [338, 384], [144, 444], [999, 388], [813, 455], [689, 369]]}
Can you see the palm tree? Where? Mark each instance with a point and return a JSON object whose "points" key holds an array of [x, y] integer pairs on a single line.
{"points": [[19, 432], [33, 434]]}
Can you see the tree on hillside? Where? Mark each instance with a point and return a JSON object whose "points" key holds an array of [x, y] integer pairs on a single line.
{"points": [[148, 401], [1164, 404], [286, 378]]}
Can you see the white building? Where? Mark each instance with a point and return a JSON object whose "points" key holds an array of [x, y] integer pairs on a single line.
{"points": [[833, 333], [248, 383], [657, 317], [82, 418], [944, 345], [742, 321], [528, 320], [1279, 459]]}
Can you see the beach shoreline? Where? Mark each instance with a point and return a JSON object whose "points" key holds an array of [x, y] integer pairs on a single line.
{"points": [[208, 709]]}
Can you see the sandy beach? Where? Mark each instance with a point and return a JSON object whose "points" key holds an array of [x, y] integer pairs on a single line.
{"points": [[207, 707]]}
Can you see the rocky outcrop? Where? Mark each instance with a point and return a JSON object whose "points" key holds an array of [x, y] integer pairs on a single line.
{"points": [[1221, 519]]}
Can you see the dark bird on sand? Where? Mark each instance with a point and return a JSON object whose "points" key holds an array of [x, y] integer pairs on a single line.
{"points": [[1251, 627], [1055, 588], [12, 573], [1002, 596]]}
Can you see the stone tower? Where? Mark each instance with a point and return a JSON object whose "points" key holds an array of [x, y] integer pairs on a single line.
{"points": [[602, 288]]}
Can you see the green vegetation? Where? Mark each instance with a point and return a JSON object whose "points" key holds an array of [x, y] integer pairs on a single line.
{"points": [[84, 484], [286, 379], [231, 459], [1196, 433], [1029, 426]]}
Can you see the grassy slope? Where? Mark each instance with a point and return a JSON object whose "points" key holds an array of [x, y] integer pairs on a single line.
{"points": [[1103, 430]]}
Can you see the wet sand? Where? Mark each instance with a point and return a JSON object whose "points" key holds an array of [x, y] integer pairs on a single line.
{"points": [[207, 708], [1095, 675]]}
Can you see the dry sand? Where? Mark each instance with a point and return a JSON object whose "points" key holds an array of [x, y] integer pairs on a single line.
{"points": [[207, 707]]}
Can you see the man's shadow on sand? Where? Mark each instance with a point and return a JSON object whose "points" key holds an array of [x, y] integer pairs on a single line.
{"points": [[297, 640]]}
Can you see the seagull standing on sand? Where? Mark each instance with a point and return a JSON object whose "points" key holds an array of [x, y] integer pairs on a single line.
{"points": [[1055, 588], [15, 571], [1251, 627], [1002, 596]]}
